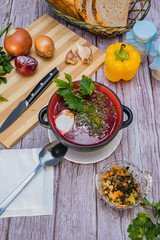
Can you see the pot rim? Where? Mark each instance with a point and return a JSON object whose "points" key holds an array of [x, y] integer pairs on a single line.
{"points": [[93, 145]]}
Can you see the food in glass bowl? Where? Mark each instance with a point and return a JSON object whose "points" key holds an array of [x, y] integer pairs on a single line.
{"points": [[122, 184], [120, 187]]}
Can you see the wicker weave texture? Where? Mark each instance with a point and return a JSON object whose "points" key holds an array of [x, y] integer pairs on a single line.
{"points": [[138, 11]]}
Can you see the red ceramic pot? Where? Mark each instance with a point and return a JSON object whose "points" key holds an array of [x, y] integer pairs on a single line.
{"points": [[121, 109]]}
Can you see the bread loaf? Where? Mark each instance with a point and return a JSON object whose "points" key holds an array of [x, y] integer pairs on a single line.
{"points": [[111, 13], [108, 13], [66, 7]]}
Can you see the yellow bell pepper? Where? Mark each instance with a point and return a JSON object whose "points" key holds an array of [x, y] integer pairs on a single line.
{"points": [[121, 62]]}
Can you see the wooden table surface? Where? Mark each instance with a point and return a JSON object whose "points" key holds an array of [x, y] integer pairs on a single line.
{"points": [[79, 214]]}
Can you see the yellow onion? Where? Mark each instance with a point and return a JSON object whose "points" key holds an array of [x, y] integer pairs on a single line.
{"points": [[44, 46], [17, 42]]}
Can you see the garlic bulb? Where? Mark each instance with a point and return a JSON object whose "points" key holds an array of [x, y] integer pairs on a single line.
{"points": [[71, 57], [84, 53]]}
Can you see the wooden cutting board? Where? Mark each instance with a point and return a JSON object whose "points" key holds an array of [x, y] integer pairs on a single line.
{"points": [[19, 86]]}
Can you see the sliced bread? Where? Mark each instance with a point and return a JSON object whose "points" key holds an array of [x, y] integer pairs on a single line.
{"points": [[80, 8], [111, 13], [89, 17]]}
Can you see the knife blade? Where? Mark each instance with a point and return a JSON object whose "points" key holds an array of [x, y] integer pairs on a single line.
{"points": [[24, 104]]}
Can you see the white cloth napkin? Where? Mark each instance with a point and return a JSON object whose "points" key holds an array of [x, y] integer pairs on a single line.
{"points": [[37, 196]]}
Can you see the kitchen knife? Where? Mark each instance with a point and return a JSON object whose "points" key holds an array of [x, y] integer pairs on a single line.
{"points": [[23, 105]]}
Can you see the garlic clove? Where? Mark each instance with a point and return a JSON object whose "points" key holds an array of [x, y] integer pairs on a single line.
{"points": [[84, 53], [71, 57]]}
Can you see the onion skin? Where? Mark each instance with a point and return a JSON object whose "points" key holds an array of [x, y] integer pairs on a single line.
{"points": [[17, 42], [44, 46], [26, 65]]}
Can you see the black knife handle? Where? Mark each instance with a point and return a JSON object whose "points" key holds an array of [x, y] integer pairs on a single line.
{"points": [[40, 87]]}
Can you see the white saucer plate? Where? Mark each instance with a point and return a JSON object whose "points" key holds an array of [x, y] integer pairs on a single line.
{"points": [[90, 157]]}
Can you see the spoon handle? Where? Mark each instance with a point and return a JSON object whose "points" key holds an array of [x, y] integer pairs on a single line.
{"points": [[148, 211], [4, 204]]}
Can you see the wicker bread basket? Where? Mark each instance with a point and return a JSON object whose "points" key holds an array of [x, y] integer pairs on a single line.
{"points": [[138, 11]]}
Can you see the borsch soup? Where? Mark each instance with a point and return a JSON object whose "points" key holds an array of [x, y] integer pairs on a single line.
{"points": [[92, 125]]}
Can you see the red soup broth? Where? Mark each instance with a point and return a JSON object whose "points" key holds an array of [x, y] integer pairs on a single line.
{"points": [[94, 124]]}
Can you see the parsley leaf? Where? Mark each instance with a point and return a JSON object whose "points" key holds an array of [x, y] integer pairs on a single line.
{"points": [[61, 84], [74, 102], [86, 85], [5, 65], [3, 80], [74, 98], [2, 99], [69, 78], [142, 227]]}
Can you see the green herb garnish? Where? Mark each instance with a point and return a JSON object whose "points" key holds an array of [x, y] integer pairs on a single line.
{"points": [[142, 227], [86, 85], [74, 98], [91, 117], [5, 65], [2, 99]]}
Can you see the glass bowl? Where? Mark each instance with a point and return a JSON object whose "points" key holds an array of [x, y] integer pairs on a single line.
{"points": [[141, 177]]}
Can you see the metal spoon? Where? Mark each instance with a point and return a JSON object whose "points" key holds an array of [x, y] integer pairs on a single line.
{"points": [[148, 210], [50, 155]]}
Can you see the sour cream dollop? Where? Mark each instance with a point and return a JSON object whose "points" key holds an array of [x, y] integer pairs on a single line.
{"points": [[64, 121]]}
